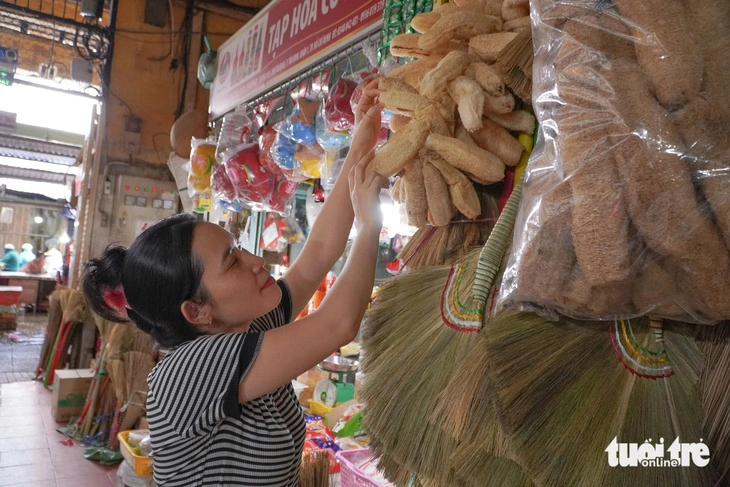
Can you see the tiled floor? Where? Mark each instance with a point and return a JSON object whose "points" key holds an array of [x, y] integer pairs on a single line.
{"points": [[31, 452], [21, 349]]}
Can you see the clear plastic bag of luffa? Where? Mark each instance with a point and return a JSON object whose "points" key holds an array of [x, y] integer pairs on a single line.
{"points": [[626, 201]]}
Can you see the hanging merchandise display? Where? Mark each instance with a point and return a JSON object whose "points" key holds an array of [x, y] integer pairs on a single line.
{"points": [[453, 118], [207, 65], [200, 167], [397, 16], [460, 390]]}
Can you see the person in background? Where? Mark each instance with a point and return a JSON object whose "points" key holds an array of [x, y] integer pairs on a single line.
{"points": [[221, 407], [11, 259], [35, 266], [26, 255]]}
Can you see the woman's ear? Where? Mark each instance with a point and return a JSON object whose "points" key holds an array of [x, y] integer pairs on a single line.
{"points": [[196, 313]]}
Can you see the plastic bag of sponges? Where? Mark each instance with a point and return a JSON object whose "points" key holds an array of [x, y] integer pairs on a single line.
{"points": [[626, 202]]}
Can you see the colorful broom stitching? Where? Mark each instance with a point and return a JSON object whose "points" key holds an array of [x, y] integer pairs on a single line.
{"points": [[637, 359], [454, 312]]}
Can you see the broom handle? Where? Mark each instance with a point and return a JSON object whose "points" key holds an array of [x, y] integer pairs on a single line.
{"points": [[490, 258]]}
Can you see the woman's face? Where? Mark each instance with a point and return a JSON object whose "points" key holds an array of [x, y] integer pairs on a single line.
{"points": [[240, 289]]}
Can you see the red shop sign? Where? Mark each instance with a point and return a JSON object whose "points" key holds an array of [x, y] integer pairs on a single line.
{"points": [[284, 38]]}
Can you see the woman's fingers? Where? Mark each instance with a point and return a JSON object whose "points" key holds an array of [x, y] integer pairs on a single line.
{"points": [[374, 112]]}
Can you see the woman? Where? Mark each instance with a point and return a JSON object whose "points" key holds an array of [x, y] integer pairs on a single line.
{"points": [[221, 407]]}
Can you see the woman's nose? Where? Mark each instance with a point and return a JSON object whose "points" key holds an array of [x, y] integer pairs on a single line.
{"points": [[256, 262]]}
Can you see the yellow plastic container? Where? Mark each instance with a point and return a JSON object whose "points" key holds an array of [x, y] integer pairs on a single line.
{"points": [[316, 407], [142, 465]]}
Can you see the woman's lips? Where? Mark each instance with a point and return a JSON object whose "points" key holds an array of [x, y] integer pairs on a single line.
{"points": [[268, 283]]}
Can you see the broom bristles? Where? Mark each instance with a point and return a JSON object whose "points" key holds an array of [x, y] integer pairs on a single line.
{"points": [[436, 246], [563, 385], [403, 336], [515, 61], [715, 384]]}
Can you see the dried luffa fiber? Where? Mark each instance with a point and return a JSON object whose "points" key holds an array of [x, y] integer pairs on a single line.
{"points": [[602, 233], [646, 221], [666, 48], [660, 191], [703, 123]]}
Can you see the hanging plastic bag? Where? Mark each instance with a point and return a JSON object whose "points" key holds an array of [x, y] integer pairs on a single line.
{"points": [[309, 158], [202, 159], [267, 138], [253, 184], [338, 114], [625, 206], [279, 231], [235, 130], [299, 126], [284, 189], [282, 152], [332, 162], [328, 139], [224, 194]]}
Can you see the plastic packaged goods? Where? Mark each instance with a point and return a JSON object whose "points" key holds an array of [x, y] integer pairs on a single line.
{"points": [[626, 202], [224, 194], [202, 159], [338, 114], [253, 183], [235, 130]]}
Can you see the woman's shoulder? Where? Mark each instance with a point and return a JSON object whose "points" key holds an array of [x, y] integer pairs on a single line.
{"points": [[202, 349]]}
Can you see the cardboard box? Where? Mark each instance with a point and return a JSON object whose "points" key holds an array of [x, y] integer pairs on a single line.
{"points": [[70, 388]]}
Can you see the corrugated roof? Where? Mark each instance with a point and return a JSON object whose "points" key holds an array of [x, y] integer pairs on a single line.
{"points": [[32, 174], [38, 150]]}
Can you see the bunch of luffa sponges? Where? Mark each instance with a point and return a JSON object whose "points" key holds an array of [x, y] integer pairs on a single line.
{"points": [[453, 115]]}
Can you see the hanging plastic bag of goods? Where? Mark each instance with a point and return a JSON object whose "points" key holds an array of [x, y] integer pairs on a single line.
{"points": [[626, 203]]}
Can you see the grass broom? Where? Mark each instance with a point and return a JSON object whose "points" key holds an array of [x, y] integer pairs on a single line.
{"points": [[407, 334], [55, 317], [144, 343], [715, 383], [137, 366], [115, 368], [107, 330], [403, 336], [564, 390]]}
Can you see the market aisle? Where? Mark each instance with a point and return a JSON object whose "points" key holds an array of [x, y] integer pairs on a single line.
{"points": [[20, 349], [31, 452]]}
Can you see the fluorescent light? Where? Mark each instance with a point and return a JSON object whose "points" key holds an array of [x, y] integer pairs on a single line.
{"points": [[38, 219]]}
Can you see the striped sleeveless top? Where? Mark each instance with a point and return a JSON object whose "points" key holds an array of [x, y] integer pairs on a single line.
{"points": [[201, 435]]}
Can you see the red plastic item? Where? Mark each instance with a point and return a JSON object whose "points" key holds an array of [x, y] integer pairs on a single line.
{"points": [[266, 141], [284, 189], [251, 181], [221, 184], [338, 115]]}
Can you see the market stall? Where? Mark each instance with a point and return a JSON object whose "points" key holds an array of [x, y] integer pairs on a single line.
{"points": [[556, 253]]}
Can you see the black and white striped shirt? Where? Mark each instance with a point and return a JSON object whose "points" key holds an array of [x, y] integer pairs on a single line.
{"points": [[201, 435]]}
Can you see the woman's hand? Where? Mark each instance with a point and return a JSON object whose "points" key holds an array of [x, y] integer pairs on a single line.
{"points": [[365, 195], [367, 120]]}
